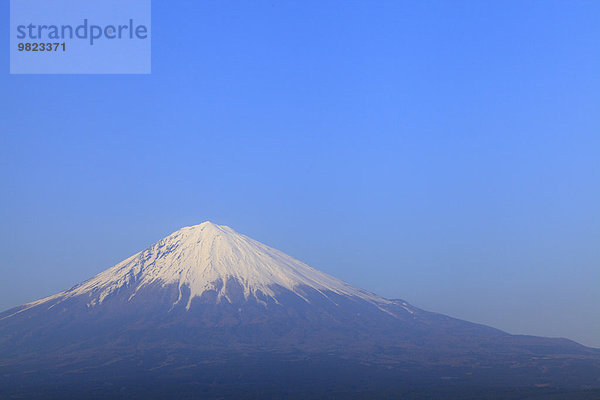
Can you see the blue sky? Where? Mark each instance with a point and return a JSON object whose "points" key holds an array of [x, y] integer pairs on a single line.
{"points": [[441, 152]]}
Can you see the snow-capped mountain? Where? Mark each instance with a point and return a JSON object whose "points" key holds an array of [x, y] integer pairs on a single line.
{"points": [[206, 295], [209, 258]]}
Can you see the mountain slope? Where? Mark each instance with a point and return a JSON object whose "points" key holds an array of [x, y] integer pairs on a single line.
{"points": [[206, 295]]}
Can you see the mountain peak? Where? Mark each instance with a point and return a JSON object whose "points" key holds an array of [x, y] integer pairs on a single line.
{"points": [[203, 225], [209, 258], [197, 235]]}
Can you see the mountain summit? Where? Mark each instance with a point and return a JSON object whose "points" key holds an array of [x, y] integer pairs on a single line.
{"points": [[209, 260], [205, 297]]}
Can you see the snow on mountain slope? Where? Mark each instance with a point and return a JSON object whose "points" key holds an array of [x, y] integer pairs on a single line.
{"points": [[206, 257]]}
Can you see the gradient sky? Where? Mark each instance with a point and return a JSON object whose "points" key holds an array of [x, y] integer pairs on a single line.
{"points": [[442, 152]]}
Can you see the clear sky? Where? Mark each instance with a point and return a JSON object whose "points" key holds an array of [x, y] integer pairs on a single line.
{"points": [[442, 152]]}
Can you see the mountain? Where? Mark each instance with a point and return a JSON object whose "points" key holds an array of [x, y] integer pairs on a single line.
{"points": [[209, 309]]}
